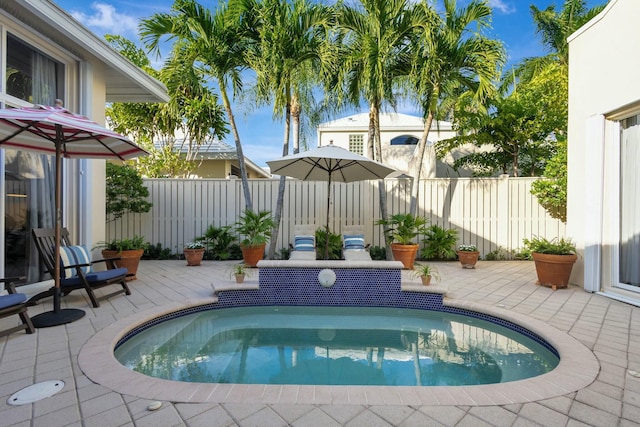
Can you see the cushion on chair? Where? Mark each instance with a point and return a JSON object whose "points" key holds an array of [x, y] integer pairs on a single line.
{"points": [[95, 276], [304, 243], [355, 241], [73, 255], [11, 299]]}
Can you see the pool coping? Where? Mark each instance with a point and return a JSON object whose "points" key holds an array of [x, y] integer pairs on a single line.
{"points": [[577, 369]]}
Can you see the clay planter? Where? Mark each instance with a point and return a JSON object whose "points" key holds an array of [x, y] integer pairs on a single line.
{"points": [[252, 254], [426, 280], [468, 259], [128, 259], [193, 256], [553, 270], [239, 278], [405, 254]]}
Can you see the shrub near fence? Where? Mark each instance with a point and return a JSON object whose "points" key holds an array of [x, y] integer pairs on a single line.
{"points": [[491, 213]]}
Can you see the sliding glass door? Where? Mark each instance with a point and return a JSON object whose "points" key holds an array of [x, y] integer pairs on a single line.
{"points": [[629, 249]]}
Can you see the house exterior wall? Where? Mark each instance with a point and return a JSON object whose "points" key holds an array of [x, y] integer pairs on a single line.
{"points": [[398, 156], [603, 89]]}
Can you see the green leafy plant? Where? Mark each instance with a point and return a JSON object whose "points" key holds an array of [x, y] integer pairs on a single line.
{"points": [[555, 246], [157, 252], [378, 253], [421, 270], [403, 228], [500, 254], [241, 268], [284, 253], [217, 240], [335, 244], [129, 244], [125, 191], [439, 243], [255, 226]]}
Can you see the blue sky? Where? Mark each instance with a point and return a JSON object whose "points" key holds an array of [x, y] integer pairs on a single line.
{"points": [[262, 136]]}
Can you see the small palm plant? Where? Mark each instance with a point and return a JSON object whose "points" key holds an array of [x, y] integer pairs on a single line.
{"points": [[255, 226], [426, 273]]}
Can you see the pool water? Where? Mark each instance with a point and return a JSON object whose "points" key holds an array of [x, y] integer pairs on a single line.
{"points": [[334, 346]]}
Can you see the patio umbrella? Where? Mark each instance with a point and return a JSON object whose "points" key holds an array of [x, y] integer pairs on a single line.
{"points": [[332, 164], [57, 131]]}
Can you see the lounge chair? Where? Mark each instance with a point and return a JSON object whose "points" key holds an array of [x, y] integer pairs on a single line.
{"points": [[354, 247], [304, 243], [14, 303], [76, 269]]}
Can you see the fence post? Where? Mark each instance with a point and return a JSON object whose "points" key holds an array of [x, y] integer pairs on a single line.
{"points": [[503, 210]]}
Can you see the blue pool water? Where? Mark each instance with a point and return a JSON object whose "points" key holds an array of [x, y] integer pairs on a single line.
{"points": [[334, 345]]}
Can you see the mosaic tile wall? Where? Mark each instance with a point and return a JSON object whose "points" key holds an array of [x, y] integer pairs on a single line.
{"points": [[366, 287]]}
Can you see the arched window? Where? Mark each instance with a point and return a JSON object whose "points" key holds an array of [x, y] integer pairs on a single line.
{"points": [[404, 140]]}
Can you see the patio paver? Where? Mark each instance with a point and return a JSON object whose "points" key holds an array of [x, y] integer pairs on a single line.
{"points": [[611, 329]]}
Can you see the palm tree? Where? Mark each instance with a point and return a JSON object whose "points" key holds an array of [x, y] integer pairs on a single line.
{"points": [[376, 55], [450, 59], [287, 44], [554, 28], [213, 44]]}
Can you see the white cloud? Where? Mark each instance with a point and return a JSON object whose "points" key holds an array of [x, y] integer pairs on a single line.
{"points": [[106, 19], [502, 6]]}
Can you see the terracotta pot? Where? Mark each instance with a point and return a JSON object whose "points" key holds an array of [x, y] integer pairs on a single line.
{"points": [[426, 280], [128, 259], [193, 256], [405, 254], [553, 271], [252, 254], [239, 278], [468, 259]]}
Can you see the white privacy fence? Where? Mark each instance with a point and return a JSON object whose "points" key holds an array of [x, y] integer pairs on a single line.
{"points": [[491, 213]]}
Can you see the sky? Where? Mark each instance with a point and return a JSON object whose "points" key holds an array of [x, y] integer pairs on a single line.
{"points": [[260, 134]]}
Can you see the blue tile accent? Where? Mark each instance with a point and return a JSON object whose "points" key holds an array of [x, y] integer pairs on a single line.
{"points": [[354, 287]]}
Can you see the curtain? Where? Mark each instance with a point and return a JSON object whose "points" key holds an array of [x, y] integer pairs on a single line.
{"points": [[630, 201], [44, 79]]}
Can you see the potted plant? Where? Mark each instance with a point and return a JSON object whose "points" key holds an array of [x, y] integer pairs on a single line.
{"points": [[426, 273], [401, 229], [440, 243], [125, 252], [554, 260], [239, 272], [468, 255], [256, 228], [193, 253]]}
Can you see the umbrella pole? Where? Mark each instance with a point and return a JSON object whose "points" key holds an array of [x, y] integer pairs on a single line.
{"points": [[58, 316], [326, 250]]}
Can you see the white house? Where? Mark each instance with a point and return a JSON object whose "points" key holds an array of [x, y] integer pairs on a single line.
{"points": [[46, 54], [399, 135], [603, 209]]}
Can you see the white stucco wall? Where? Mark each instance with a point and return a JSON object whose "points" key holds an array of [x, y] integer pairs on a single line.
{"points": [[604, 59]]}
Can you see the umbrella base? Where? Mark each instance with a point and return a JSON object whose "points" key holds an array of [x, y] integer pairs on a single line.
{"points": [[53, 318]]}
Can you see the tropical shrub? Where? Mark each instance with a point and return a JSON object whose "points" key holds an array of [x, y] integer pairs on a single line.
{"points": [[335, 244], [125, 191], [439, 243]]}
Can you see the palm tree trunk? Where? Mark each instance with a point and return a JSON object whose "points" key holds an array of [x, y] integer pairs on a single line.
{"points": [[248, 203], [280, 202], [295, 116], [417, 165], [374, 124]]}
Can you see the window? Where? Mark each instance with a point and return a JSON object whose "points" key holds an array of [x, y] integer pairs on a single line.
{"points": [[404, 140], [31, 75], [356, 144]]}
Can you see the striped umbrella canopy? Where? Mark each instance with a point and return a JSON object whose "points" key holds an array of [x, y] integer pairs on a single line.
{"points": [[43, 129], [57, 131]]}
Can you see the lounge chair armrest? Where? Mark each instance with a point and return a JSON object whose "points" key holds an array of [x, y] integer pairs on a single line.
{"points": [[9, 283]]}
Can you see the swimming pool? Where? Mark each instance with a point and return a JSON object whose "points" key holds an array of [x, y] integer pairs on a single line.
{"points": [[334, 346]]}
